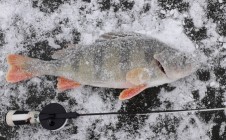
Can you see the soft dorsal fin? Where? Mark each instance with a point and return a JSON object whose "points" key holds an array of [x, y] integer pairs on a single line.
{"points": [[64, 52], [115, 35], [138, 76]]}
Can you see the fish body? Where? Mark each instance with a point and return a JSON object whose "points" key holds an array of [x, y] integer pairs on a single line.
{"points": [[118, 60]]}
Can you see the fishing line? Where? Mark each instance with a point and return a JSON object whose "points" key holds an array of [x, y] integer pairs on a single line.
{"points": [[54, 116], [152, 112]]}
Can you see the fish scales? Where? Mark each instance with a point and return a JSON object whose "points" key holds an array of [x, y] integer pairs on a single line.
{"points": [[111, 69], [85, 72]]}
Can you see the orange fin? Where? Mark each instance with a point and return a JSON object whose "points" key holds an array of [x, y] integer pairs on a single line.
{"points": [[131, 92], [17, 68], [65, 84], [138, 76]]}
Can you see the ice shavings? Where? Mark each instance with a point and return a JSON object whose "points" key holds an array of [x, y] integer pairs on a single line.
{"points": [[222, 128], [214, 84], [94, 101], [224, 103], [182, 94], [89, 101], [224, 45], [193, 128], [87, 38], [220, 1], [213, 36], [172, 34], [1, 73], [53, 44], [197, 13]]}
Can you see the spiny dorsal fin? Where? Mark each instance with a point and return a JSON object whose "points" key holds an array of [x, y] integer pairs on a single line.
{"points": [[115, 35]]}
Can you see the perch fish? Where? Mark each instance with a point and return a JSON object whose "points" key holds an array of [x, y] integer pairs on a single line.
{"points": [[130, 61]]}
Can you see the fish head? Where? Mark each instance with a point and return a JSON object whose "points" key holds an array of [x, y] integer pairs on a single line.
{"points": [[175, 64]]}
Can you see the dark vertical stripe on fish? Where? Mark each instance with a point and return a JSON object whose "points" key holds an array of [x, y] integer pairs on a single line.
{"points": [[98, 61], [76, 61], [148, 54], [124, 60]]}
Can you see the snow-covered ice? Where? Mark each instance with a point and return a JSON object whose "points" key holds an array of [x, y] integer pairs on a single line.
{"points": [[37, 28]]}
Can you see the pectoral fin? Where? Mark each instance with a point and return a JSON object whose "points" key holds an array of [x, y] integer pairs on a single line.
{"points": [[138, 76], [65, 84], [131, 92]]}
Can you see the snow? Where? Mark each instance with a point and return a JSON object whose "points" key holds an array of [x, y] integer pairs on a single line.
{"points": [[1, 73], [214, 84], [173, 35], [87, 38], [224, 45], [53, 44], [24, 25], [197, 13], [222, 128], [220, 1]]}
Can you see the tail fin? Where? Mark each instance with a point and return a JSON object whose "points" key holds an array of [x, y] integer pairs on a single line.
{"points": [[17, 68]]}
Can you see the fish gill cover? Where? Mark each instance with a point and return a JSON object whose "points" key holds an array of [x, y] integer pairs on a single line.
{"points": [[38, 28]]}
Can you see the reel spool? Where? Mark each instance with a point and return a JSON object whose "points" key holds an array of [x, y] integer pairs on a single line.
{"points": [[48, 118]]}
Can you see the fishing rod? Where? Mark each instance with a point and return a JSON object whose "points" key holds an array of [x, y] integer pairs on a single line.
{"points": [[54, 116]]}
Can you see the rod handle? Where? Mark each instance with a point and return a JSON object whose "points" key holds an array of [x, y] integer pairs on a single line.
{"points": [[15, 117]]}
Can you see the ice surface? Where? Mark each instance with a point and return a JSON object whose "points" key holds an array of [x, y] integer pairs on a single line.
{"points": [[37, 28], [197, 13], [172, 34]]}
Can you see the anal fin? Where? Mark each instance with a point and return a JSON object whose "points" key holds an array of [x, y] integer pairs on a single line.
{"points": [[66, 84], [131, 92]]}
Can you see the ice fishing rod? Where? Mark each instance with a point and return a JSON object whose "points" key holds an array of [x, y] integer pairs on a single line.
{"points": [[54, 116]]}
